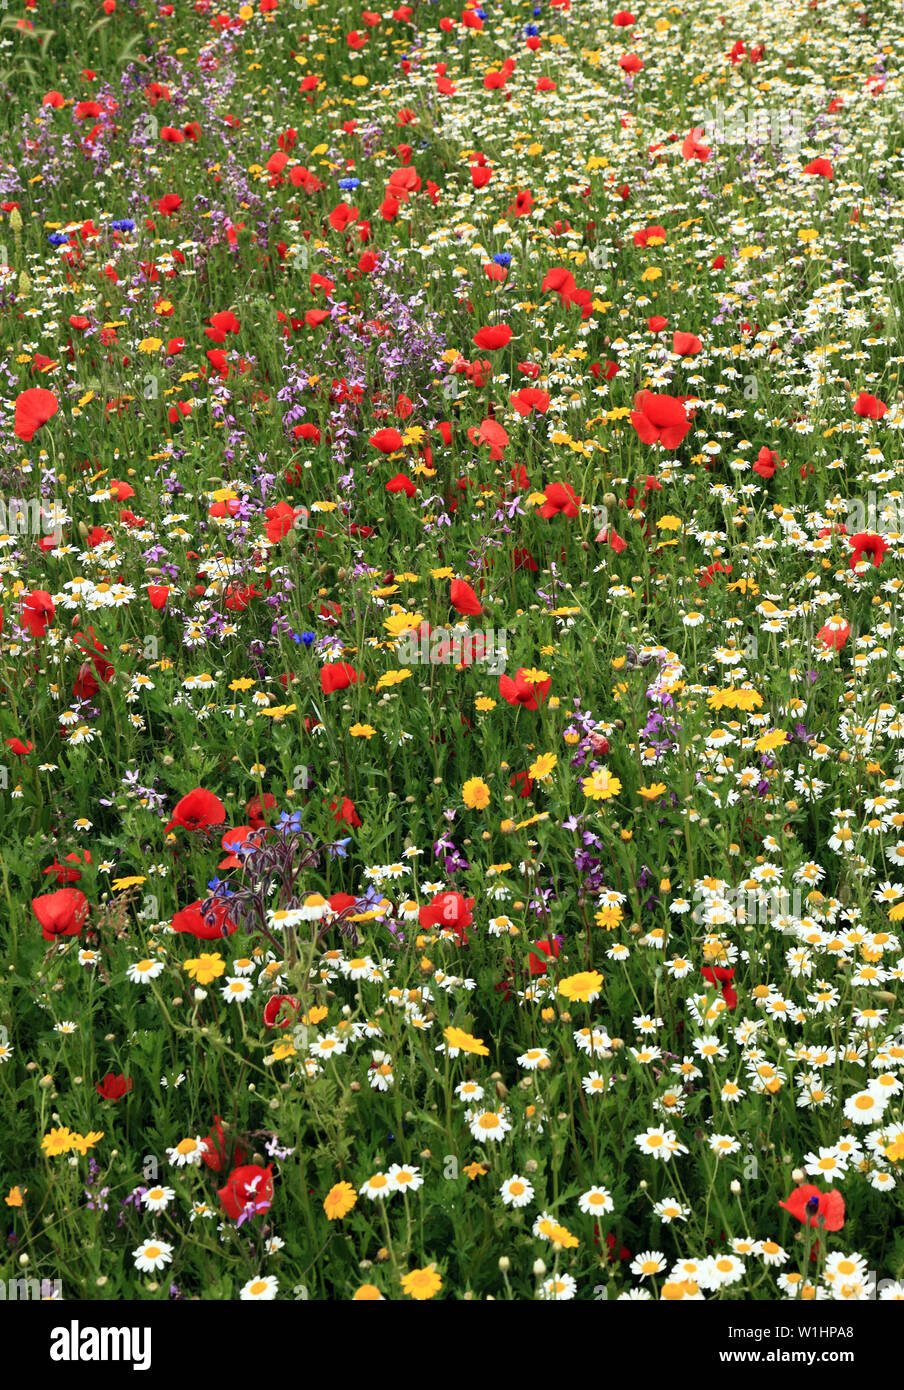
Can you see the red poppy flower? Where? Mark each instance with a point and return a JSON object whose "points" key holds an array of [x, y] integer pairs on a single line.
{"points": [[387, 441], [231, 841], [710, 572], [718, 975], [338, 675], [869, 407], [61, 913], [18, 747], [114, 1087], [630, 63], [344, 813], [642, 237], [530, 398], [259, 808], [522, 692], [169, 204], [686, 344], [659, 419], [560, 497], [814, 1208], [491, 433], [450, 910], [215, 1153], [821, 167], [867, 545], [522, 783], [210, 926], [158, 595], [37, 611], [834, 637], [67, 873], [609, 536], [464, 599], [34, 408], [249, 1188], [402, 483], [497, 335], [692, 148], [280, 520], [656, 323], [542, 954], [766, 463], [198, 810], [281, 1010]]}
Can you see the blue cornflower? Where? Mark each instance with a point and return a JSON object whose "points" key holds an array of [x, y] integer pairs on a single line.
{"points": [[123, 224], [308, 638], [348, 184], [58, 239], [502, 258], [531, 30]]}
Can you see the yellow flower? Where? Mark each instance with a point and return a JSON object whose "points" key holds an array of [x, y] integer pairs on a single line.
{"points": [[747, 700], [120, 884], [465, 1042], [315, 1016], [609, 917], [476, 1170], [150, 345], [391, 678], [206, 968], [543, 766], [601, 786], [367, 1293], [476, 794], [84, 1142], [583, 987], [16, 1196], [651, 793], [561, 1235], [533, 676], [58, 1141], [362, 731], [339, 1201], [775, 739], [277, 712], [402, 622], [244, 683], [484, 704], [669, 523], [422, 1283]]}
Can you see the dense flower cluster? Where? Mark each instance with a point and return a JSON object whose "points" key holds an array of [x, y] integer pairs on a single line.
{"points": [[452, 782]]}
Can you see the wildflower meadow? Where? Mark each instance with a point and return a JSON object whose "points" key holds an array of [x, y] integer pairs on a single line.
{"points": [[451, 739]]}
